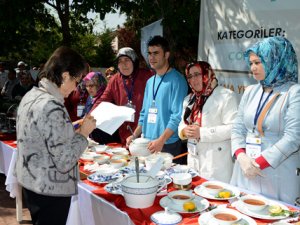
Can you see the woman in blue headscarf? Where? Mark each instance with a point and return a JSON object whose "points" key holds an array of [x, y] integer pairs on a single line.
{"points": [[266, 133]]}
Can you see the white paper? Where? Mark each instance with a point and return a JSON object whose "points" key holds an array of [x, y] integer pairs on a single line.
{"points": [[110, 116]]}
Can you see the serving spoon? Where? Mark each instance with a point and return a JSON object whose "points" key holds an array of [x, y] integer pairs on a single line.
{"points": [[137, 169]]}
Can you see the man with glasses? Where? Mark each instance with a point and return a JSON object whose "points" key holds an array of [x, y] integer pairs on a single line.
{"points": [[162, 105]]}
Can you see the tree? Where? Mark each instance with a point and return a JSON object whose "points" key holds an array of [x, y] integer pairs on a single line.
{"points": [[105, 55], [180, 23]]}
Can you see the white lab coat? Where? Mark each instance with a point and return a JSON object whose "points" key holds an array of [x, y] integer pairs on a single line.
{"points": [[280, 143], [212, 158]]}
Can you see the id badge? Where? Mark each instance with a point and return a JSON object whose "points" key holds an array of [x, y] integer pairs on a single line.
{"points": [[80, 110], [152, 116], [253, 147], [192, 147], [130, 105]]}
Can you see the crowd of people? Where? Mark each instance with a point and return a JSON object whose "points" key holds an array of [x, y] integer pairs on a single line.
{"points": [[253, 144]]}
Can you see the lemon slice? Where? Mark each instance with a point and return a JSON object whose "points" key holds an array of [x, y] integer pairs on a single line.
{"points": [[275, 209], [224, 194], [189, 206]]}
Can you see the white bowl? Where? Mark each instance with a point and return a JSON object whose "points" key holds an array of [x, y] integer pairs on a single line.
{"points": [[101, 159], [88, 156], [118, 163], [181, 168], [99, 148], [181, 178], [126, 157], [254, 203], [139, 195], [213, 188], [224, 216], [180, 197], [118, 151]]}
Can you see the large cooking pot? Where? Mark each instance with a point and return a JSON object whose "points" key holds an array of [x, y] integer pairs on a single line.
{"points": [[142, 194], [139, 147]]}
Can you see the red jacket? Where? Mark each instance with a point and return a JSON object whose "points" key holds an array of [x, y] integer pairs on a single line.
{"points": [[115, 93]]}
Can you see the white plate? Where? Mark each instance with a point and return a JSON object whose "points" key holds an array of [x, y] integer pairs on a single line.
{"points": [[191, 171], [262, 214], [113, 188], [200, 190], [99, 178], [201, 204], [130, 170], [204, 219]]}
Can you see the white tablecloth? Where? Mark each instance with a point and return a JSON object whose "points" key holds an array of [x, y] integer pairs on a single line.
{"points": [[86, 208], [89, 209]]}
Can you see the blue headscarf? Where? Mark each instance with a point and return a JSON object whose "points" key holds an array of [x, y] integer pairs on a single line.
{"points": [[278, 58]]}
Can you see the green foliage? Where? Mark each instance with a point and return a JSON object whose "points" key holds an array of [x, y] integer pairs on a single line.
{"points": [[105, 55], [31, 33]]}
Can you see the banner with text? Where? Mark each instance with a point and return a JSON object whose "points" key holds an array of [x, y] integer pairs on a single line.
{"points": [[146, 33], [227, 28]]}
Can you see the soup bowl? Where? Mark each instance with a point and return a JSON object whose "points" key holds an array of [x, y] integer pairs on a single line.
{"points": [[117, 163], [101, 158], [139, 194], [181, 168], [179, 197], [213, 188], [224, 216], [254, 203]]}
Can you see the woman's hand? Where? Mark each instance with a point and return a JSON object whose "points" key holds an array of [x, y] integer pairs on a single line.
{"points": [[249, 167], [192, 131], [87, 126], [129, 140]]}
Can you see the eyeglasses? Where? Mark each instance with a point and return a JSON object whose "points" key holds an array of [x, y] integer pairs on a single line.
{"points": [[196, 74]]}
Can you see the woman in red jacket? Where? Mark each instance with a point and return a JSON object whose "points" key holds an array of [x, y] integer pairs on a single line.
{"points": [[126, 88]]}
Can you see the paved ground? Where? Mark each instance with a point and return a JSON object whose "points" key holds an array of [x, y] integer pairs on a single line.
{"points": [[8, 207]]}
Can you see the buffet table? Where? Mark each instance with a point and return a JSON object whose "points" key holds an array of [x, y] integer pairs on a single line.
{"points": [[8, 155], [93, 205]]}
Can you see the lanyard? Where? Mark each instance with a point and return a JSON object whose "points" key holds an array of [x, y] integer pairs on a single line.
{"points": [[128, 92], [259, 108], [155, 92]]}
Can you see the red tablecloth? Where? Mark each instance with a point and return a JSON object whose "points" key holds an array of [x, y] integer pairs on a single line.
{"points": [[9, 139], [142, 216]]}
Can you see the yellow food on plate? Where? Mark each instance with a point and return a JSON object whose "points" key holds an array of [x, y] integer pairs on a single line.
{"points": [[189, 206], [224, 194], [275, 209]]}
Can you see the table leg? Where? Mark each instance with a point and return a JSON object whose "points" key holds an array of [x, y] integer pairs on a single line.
{"points": [[19, 204]]}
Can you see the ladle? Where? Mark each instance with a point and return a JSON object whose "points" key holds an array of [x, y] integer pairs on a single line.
{"points": [[137, 169], [129, 128]]}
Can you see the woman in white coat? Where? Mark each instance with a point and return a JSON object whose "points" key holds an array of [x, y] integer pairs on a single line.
{"points": [[208, 114], [266, 133]]}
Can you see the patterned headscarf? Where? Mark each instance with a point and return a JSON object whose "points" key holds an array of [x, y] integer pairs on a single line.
{"points": [[278, 58], [198, 98], [98, 79]]}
